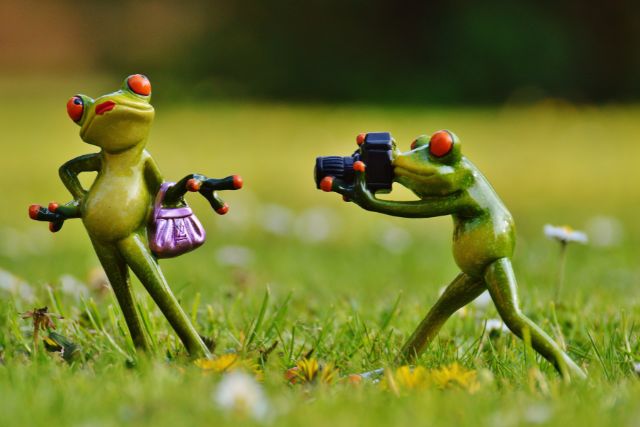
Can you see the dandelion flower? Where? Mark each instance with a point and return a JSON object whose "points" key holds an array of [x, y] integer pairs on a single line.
{"points": [[240, 393], [565, 234], [227, 363], [455, 376], [407, 378], [309, 371]]}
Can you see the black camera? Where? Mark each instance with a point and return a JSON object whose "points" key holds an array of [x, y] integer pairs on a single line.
{"points": [[375, 151]]}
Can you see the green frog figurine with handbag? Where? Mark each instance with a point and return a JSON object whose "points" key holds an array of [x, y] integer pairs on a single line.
{"points": [[131, 215]]}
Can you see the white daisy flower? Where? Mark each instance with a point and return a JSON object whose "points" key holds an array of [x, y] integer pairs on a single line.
{"points": [[565, 234], [240, 393]]}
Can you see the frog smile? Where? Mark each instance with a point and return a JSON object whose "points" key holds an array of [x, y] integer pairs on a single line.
{"points": [[104, 107]]}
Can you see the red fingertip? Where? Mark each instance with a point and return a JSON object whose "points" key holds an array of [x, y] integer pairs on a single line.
{"points": [[237, 182], [53, 206], [193, 185], [360, 138], [223, 210], [52, 227], [33, 211], [345, 199], [326, 184], [359, 166]]}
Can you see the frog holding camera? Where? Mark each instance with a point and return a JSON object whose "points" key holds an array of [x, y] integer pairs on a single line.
{"points": [[446, 183]]}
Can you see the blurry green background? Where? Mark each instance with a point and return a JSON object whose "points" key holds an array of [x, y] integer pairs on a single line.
{"points": [[542, 94], [421, 52]]}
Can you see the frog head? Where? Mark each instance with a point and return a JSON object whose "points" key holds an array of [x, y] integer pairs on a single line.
{"points": [[434, 166], [117, 121]]}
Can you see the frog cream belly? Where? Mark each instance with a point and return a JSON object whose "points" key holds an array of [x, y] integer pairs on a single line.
{"points": [[447, 183], [115, 207]]}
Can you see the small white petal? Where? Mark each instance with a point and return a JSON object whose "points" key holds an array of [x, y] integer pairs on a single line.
{"points": [[636, 368], [565, 234], [241, 393]]}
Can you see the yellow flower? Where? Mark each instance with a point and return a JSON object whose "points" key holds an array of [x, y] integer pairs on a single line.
{"points": [[227, 363], [407, 378], [455, 376], [310, 371]]}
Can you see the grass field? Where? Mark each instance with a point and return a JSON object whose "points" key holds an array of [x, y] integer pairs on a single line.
{"points": [[291, 272]]}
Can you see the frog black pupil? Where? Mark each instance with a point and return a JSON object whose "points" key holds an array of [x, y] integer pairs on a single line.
{"points": [[77, 101]]}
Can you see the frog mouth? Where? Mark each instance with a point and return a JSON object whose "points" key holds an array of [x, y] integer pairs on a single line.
{"points": [[104, 107], [402, 171]]}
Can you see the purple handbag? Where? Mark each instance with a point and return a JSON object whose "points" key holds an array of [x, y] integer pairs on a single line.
{"points": [[173, 231]]}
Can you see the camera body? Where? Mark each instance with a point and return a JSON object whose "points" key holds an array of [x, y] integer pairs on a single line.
{"points": [[375, 151]]}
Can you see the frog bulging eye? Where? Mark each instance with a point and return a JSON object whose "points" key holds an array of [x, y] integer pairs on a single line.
{"points": [[441, 143], [75, 108], [139, 84]]}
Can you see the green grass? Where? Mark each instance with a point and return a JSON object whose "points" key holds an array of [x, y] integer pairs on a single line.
{"points": [[346, 295]]}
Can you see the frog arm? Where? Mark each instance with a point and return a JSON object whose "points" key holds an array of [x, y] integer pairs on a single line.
{"points": [[152, 176], [207, 187], [424, 208], [70, 170]]}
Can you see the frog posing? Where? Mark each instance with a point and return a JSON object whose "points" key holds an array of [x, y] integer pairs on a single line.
{"points": [[116, 209], [483, 237]]}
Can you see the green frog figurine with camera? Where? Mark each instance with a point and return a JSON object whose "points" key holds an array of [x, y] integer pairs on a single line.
{"points": [[446, 183], [131, 215]]}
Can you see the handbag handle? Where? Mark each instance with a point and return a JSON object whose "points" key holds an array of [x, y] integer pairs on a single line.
{"points": [[157, 204]]}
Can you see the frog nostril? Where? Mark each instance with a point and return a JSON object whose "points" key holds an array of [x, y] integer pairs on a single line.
{"points": [[104, 107]]}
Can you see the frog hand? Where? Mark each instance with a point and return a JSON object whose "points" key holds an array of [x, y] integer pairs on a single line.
{"points": [[208, 187], [332, 184], [54, 214]]}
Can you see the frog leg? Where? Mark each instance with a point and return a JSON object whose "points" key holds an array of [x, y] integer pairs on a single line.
{"points": [[138, 256], [459, 293], [116, 269], [501, 282]]}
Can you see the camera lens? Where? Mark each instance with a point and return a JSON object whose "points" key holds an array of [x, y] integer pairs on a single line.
{"points": [[336, 166]]}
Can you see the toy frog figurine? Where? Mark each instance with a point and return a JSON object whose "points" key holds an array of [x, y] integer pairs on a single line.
{"points": [[447, 183], [118, 208]]}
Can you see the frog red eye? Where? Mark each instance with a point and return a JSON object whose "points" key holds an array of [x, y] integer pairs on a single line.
{"points": [[75, 108], [441, 143], [414, 144], [139, 84]]}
